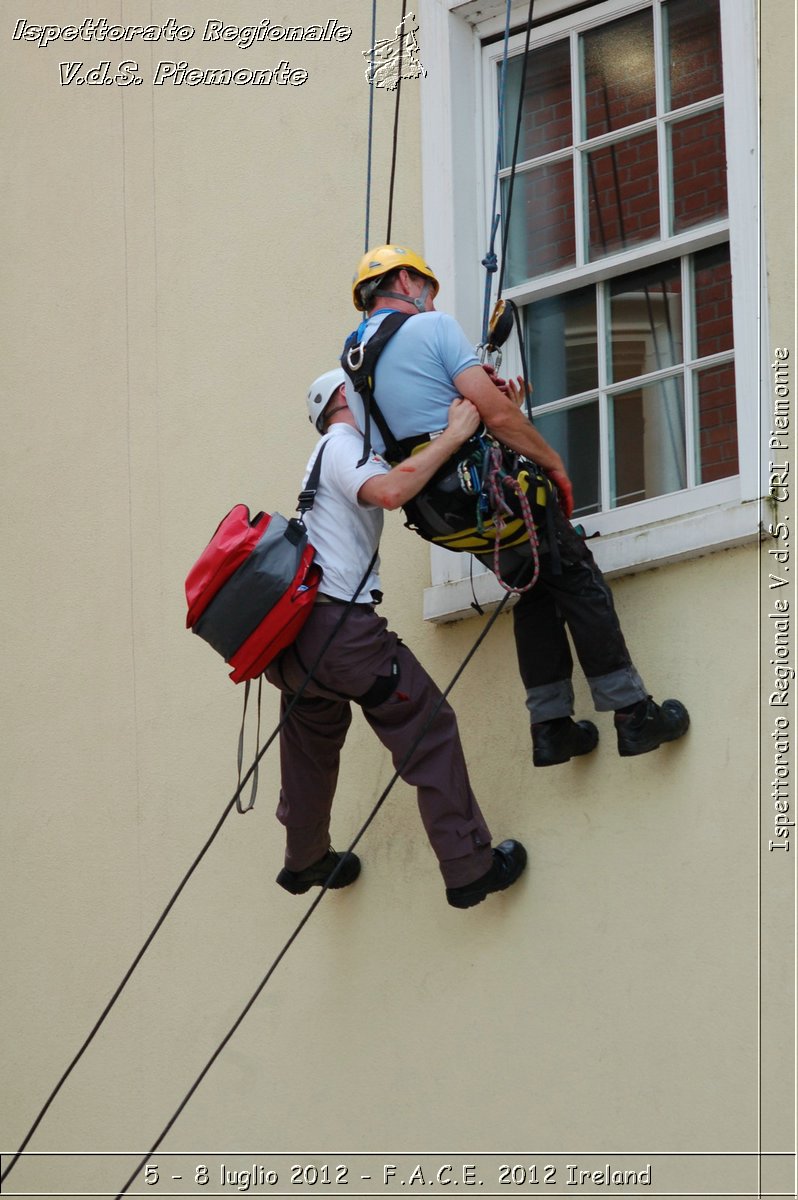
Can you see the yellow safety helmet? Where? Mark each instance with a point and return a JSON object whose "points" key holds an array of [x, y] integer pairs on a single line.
{"points": [[383, 259]]}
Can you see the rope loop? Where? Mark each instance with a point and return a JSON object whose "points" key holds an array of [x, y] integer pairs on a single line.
{"points": [[497, 478]]}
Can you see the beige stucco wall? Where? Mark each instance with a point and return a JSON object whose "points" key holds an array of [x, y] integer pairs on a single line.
{"points": [[178, 263]]}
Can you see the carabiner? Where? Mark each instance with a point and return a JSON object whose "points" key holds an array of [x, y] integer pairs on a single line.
{"points": [[360, 351]]}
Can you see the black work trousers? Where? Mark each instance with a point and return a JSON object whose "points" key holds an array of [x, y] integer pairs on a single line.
{"points": [[571, 593]]}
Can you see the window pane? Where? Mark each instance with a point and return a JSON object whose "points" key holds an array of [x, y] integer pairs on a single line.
{"points": [[698, 163], [542, 222], [695, 70], [546, 120], [717, 423], [646, 322], [713, 301], [562, 345], [648, 455], [623, 194], [618, 63], [574, 432]]}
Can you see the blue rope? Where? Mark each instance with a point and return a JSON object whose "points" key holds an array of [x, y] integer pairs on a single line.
{"points": [[490, 261], [370, 128]]}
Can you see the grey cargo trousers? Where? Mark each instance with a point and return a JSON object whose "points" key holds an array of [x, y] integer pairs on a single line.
{"points": [[367, 663]]}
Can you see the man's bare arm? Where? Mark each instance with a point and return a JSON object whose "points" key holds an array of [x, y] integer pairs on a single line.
{"points": [[406, 480], [505, 421]]}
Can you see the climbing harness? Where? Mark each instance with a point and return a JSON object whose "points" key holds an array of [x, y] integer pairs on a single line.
{"points": [[485, 499], [359, 359]]}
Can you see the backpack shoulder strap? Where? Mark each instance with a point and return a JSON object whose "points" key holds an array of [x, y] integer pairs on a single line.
{"points": [[359, 360], [307, 496]]}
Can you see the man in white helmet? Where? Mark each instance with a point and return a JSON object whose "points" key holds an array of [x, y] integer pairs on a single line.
{"points": [[423, 364], [366, 664]]}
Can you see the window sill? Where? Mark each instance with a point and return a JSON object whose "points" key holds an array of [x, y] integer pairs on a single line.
{"points": [[625, 553]]}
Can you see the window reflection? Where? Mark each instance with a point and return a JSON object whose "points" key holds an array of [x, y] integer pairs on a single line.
{"points": [[546, 119], [648, 455], [562, 345], [698, 166], [717, 423], [618, 63], [629, 349], [692, 34], [542, 223], [714, 331], [646, 322], [575, 433], [623, 194], [620, 181]]}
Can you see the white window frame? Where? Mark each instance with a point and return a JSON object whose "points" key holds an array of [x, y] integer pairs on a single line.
{"points": [[458, 156]]}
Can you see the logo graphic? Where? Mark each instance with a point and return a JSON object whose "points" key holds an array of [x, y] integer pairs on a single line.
{"points": [[392, 59]]}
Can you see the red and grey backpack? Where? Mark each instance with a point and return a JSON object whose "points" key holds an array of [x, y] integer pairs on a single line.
{"points": [[253, 587]]}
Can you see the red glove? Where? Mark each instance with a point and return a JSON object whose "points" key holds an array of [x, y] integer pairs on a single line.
{"points": [[565, 492]]}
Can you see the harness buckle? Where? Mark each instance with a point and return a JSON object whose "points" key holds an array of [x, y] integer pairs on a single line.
{"points": [[305, 500]]}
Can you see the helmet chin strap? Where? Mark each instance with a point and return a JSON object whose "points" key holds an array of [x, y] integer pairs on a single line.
{"points": [[333, 411], [420, 302]]}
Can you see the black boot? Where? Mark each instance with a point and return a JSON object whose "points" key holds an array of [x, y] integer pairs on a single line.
{"points": [[298, 882], [649, 725], [509, 860], [559, 740]]}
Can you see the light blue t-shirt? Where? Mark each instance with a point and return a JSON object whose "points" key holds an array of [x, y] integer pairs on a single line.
{"points": [[413, 382]]}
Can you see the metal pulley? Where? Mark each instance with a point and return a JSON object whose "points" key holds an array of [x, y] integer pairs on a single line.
{"points": [[499, 329]]}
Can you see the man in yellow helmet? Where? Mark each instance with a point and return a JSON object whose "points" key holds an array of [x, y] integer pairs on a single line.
{"points": [[396, 279], [421, 368]]}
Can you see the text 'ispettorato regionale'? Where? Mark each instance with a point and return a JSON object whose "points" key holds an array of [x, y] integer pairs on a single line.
{"points": [[99, 29]]}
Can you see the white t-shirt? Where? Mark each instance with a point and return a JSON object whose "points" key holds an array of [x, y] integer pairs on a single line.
{"points": [[343, 532]]}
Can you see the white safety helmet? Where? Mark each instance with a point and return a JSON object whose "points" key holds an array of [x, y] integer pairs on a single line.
{"points": [[321, 391]]}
